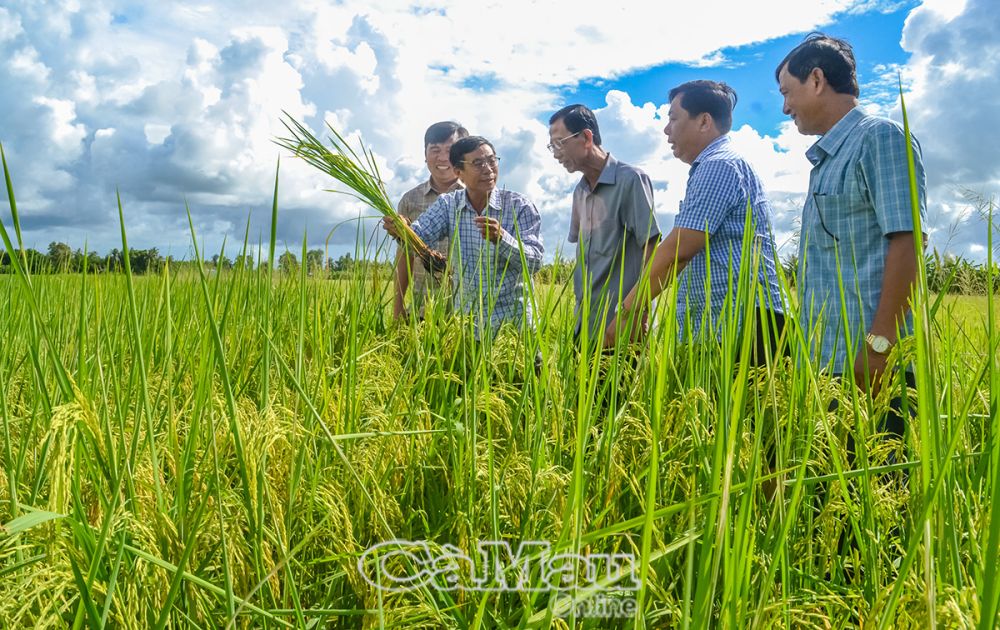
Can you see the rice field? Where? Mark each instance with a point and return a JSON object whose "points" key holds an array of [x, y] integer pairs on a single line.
{"points": [[241, 448]]}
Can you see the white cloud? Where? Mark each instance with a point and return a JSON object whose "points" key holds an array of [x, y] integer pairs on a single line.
{"points": [[25, 64], [952, 110], [66, 134], [528, 41], [10, 25], [175, 101]]}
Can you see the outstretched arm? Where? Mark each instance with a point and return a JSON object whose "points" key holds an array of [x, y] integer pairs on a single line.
{"points": [[670, 258]]}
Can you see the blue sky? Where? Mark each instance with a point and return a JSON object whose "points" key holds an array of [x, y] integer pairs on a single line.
{"points": [[181, 101], [875, 36]]}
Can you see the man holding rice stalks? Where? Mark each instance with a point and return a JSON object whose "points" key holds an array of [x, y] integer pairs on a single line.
{"points": [[725, 207], [443, 179], [857, 258], [612, 219], [495, 242], [495, 239]]}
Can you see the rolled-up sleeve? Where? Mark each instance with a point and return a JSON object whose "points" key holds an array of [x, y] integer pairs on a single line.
{"points": [[432, 225], [637, 213]]}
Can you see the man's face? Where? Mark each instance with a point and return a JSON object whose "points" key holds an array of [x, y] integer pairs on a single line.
{"points": [[568, 148], [801, 100], [436, 157], [479, 170], [683, 132]]}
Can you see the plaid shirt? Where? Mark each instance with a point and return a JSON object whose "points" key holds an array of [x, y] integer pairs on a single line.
{"points": [[859, 193], [414, 203], [488, 278], [719, 186]]}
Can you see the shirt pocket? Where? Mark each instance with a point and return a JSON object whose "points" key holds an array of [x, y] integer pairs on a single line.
{"points": [[605, 239], [836, 219]]}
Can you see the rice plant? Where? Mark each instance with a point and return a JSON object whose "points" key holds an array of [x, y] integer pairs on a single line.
{"points": [[222, 448]]}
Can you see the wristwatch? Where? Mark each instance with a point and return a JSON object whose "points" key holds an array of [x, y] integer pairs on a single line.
{"points": [[878, 343]]}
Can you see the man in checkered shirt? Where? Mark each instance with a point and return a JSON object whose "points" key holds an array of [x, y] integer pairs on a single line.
{"points": [[858, 221], [722, 188], [437, 145], [494, 235]]}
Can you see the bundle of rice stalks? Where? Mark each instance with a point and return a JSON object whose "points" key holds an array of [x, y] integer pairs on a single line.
{"points": [[360, 174]]}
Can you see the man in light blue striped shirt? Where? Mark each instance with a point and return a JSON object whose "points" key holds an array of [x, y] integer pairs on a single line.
{"points": [[858, 221], [722, 188], [495, 239]]}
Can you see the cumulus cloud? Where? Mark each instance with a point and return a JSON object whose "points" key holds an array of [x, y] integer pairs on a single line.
{"points": [[179, 102], [955, 52]]}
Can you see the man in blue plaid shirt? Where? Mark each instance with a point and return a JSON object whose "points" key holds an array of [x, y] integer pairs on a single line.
{"points": [[495, 239], [858, 221], [722, 188]]}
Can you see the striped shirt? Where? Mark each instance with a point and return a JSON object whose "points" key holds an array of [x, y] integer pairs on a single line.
{"points": [[720, 185], [490, 280], [859, 194]]}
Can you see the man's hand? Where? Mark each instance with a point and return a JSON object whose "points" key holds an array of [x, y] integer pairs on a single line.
{"points": [[637, 326], [490, 227], [390, 226], [611, 333], [871, 379]]}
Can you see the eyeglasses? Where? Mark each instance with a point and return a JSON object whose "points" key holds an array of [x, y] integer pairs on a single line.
{"points": [[482, 163], [558, 143]]}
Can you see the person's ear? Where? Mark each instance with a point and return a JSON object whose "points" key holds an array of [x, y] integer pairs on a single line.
{"points": [[817, 78]]}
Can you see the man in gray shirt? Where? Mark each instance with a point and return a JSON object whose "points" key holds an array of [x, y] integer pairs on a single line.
{"points": [[437, 144], [612, 223]]}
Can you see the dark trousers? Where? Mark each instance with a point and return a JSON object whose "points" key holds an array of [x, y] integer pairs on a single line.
{"points": [[768, 328], [900, 412]]}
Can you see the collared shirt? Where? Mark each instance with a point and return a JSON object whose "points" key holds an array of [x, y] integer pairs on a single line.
{"points": [[490, 280], [413, 203], [859, 194], [611, 225], [720, 187]]}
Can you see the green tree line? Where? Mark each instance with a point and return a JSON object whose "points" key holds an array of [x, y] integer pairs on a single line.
{"points": [[945, 272]]}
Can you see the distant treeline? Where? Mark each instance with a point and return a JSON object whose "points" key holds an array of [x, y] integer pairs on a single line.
{"points": [[61, 258], [944, 272]]}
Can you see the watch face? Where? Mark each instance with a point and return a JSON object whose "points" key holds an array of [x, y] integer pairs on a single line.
{"points": [[880, 344]]}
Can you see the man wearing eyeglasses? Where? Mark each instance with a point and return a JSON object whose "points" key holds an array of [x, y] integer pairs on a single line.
{"points": [[612, 219], [495, 238], [437, 144]]}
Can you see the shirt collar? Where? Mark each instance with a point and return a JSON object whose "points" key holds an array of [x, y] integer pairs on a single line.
{"points": [[832, 140], [609, 174], [427, 189], [715, 145]]}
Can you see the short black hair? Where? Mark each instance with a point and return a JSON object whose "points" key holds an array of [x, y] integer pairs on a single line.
{"points": [[441, 131], [832, 55], [708, 97], [466, 145], [577, 118]]}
